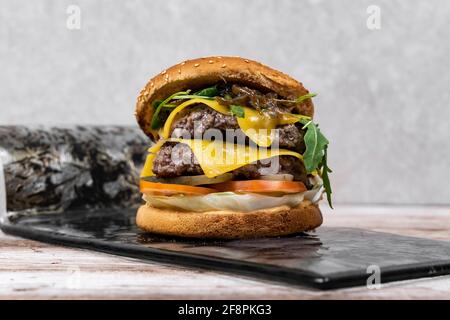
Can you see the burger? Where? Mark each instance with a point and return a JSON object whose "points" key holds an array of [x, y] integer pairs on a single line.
{"points": [[235, 152]]}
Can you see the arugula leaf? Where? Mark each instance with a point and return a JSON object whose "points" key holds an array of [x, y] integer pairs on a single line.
{"points": [[156, 103], [305, 122], [306, 96], [301, 118], [156, 122], [208, 92], [315, 156], [237, 111], [325, 178], [315, 143]]}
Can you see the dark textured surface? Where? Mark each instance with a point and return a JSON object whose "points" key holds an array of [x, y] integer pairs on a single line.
{"points": [[58, 168], [330, 258]]}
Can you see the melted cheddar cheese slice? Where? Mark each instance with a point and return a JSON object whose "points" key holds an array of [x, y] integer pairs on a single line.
{"points": [[147, 170], [260, 127]]}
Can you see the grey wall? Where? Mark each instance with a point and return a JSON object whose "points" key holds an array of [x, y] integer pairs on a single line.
{"points": [[383, 94]]}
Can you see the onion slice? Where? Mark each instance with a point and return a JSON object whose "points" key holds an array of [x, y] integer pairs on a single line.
{"points": [[278, 177], [191, 180]]}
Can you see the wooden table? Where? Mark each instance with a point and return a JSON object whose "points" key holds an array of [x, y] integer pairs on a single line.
{"points": [[33, 270]]}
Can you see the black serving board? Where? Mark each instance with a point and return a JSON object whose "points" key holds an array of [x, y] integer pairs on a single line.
{"points": [[329, 258]]}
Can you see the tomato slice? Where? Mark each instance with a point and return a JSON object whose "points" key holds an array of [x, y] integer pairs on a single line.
{"points": [[166, 189], [261, 186]]}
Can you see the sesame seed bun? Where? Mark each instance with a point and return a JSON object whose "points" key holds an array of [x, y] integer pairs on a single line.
{"points": [[203, 72], [272, 222]]}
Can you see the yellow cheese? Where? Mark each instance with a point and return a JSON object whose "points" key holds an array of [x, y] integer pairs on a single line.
{"points": [[260, 127], [217, 157], [155, 148], [147, 170]]}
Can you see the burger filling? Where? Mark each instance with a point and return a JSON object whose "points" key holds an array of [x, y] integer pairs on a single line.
{"points": [[231, 147], [164, 166]]}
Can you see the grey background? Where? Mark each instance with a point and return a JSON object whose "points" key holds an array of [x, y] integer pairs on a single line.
{"points": [[383, 94]]}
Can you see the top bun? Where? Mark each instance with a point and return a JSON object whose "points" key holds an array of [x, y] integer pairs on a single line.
{"points": [[203, 72]]}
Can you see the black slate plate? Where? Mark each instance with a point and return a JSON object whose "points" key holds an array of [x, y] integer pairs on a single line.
{"points": [[330, 258]]}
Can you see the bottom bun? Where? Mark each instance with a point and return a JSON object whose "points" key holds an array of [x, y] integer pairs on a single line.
{"points": [[229, 224]]}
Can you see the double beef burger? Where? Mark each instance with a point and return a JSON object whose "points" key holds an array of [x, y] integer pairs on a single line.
{"points": [[235, 153]]}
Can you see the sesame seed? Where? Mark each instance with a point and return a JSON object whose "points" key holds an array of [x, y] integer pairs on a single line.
{"points": [[246, 61], [151, 84], [219, 57], [210, 61], [166, 77], [183, 63], [196, 65], [224, 65], [179, 70], [164, 72]]}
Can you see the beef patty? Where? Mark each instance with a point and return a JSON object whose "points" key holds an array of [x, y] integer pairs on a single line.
{"points": [[177, 159], [196, 121]]}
